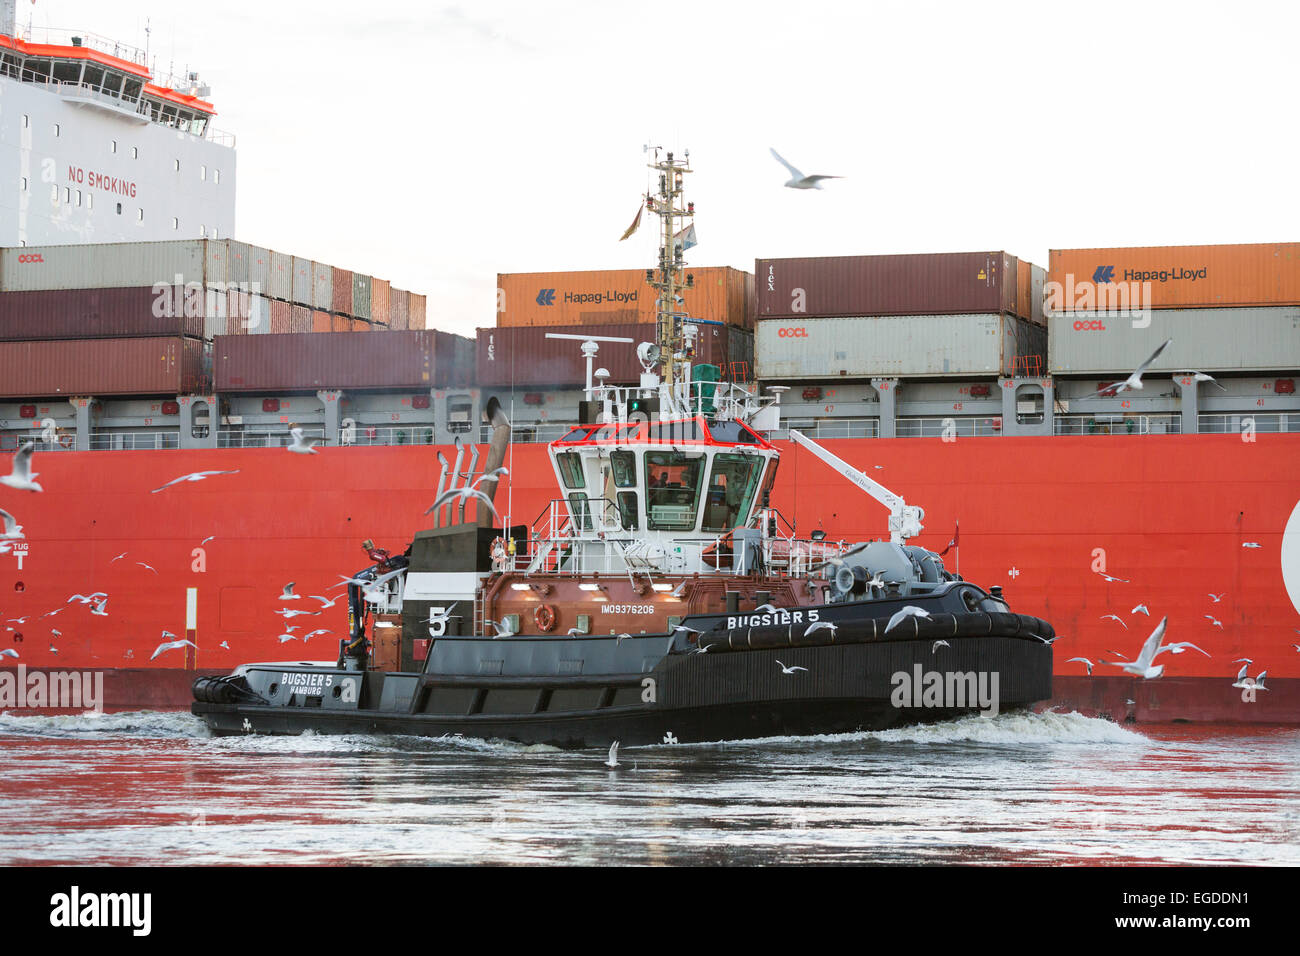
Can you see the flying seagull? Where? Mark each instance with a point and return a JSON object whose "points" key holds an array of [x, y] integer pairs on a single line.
{"points": [[324, 601], [464, 494], [1216, 598], [172, 645], [1178, 647], [1251, 544], [1245, 682], [797, 179], [22, 474], [766, 609], [13, 530], [302, 445], [8, 652], [322, 630], [612, 760], [288, 614], [149, 566], [1109, 578], [225, 645], [502, 629], [1114, 617], [790, 670], [905, 613], [819, 626], [193, 476], [287, 594], [494, 473], [120, 556], [1082, 660], [1134, 381], [98, 609], [1141, 609], [1214, 621], [1199, 376], [938, 644], [1142, 667], [206, 540]]}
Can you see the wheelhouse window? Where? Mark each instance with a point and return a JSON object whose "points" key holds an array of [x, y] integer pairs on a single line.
{"points": [[581, 510], [730, 491], [571, 469], [673, 481], [627, 508], [623, 464]]}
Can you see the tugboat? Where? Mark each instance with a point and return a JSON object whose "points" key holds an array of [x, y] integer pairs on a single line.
{"points": [[658, 599]]}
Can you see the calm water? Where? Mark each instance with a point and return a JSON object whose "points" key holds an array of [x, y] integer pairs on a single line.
{"points": [[1049, 788]]}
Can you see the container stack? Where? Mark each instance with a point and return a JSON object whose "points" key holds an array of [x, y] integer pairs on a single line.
{"points": [[616, 303], [859, 317], [1233, 308]]}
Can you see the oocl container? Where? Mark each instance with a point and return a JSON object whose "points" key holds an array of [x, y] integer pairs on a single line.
{"points": [[114, 265]]}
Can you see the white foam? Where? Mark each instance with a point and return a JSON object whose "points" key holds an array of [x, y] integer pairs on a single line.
{"points": [[136, 723]]}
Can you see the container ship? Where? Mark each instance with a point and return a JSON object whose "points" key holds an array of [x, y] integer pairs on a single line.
{"points": [[141, 343]]}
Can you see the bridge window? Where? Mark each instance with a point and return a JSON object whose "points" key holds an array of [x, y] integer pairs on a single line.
{"points": [[627, 508], [673, 482], [623, 463], [571, 469], [580, 508], [730, 491]]}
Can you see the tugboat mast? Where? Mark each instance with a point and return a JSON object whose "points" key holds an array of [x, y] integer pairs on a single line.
{"points": [[670, 277]]}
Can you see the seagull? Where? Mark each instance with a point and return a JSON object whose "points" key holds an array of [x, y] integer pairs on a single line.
{"points": [[192, 476], [684, 627], [575, 631], [799, 180], [1214, 621], [790, 670], [120, 556], [1082, 660], [1218, 597], [372, 582], [53, 649], [301, 444], [13, 530], [906, 612], [172, 645], [1141, 608], [8, 652], [98, 609], [494, 473], [1142, 667], [288, 595], [1245, 682], [22, 474], [167, 634], [1109, 578], [19, 620], [324, 601], [206, 540], [1049, 641], [1134, 381], [224, 644], [766, 609], [469, 491], [86, 599], [502, 629], [322, 630], [1198, 376], [1179, 647], [819, 626], [149, 566], [612, 760], [287, 637], [288, 614], [938, 644], [1246, 660], [1251, 544], [1114, 617], [622, 637]]}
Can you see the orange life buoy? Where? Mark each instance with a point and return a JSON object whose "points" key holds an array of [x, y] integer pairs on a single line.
{"points": [[544, 617]]}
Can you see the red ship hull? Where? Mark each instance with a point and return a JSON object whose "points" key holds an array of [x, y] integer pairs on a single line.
{"points": [[1043, 517]]}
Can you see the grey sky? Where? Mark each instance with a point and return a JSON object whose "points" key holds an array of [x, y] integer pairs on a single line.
{"points": [[438, 144]]}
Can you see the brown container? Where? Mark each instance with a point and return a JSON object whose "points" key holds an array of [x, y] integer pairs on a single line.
{"points": [[322, 322], [938, 284], [341, 303], [238, 312], [380, 302], [399, 309], [418, 318], [526, 357], [340, 323], [281, 316], [335, 360], [122, 366], [300, 320], [615, 297], [1177, 277], [360, 325], [100, 313]]}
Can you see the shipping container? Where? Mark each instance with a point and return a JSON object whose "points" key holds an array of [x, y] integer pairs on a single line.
{"points": [[300, 319], [360, 325], [417, 317], [887, 345], [399, 309], [1259, 274], [1204, 340], [250, 267], [303, 281], [126, 366], [380, 302], [615, 297], [101, 313], [342, 302], [307, 362], [524, 356], [113, 265], [282, 276], [281, 314], [322, 293], [360, 296], [932, 284], [340, 323], [322, 322]]}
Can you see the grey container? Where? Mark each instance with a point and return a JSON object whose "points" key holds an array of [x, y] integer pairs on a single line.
{"points": [[303, 279], [889, 345], [250, 267], [361, 294], [322, 291], [114, 265], [281, 278], [1205, 340]]}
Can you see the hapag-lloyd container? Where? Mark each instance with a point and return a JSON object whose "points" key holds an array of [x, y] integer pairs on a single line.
{"points": [[619, 296], [524, 356], [114, 265], [305, 362], [1258, 339], [834, 347], [128, 366], [101, 313], [1256, 274], [931, 284]]}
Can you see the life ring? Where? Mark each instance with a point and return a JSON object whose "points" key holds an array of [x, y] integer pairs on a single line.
{"points": [[544, 618]]}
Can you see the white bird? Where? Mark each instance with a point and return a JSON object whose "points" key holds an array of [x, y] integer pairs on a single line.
{"points": [[1198, 376], [86, 598], [8, 652], [371, 582], [797, 179], [1245, 660], [21, 476], [302, 445], [193, 476], [324, 601], [120, 556], [98, 609], [934, 649], [766, 609], [1214, 621], [469, 491], [167, 634], [684, 627], [1109, 578], [1142, 667], [612, 760], [622, 637], [1049, 641], [53, 649], [1082, 660], [224, 644], [790, 670], [494, 473], [19, 620], [1141, 609], [1134, 381], [288, 595], [502, 629], [207, 539], [819, 626], [905, 613], [1179, 646], [13, 530], [172, 645], [1245, 682], [287, 637], [321, 630], [1218, 597], [289, 614], [1251, 544], [574, 631], [149, 566], [1114, 617]]}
